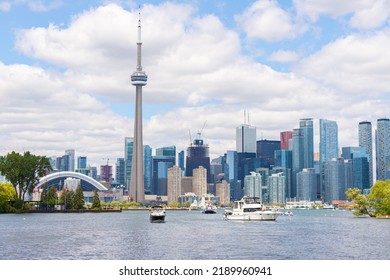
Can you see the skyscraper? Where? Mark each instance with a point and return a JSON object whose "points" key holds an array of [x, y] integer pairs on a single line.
{"points": [[138, 79], [197, 155], [199, 181], [276, 188], [382, 147], [365, 141], [285, 137], [328, 140], [297, 158], [70, 154], [308, 142], [129, 141], [120, 171], [265, 150], [148, 169], [252, 185], [246, 139], [307, 184], [174, 183]]}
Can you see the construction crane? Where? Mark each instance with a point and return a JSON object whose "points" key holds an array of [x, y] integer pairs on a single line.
{"points": [[106, 159], [200, 132]]}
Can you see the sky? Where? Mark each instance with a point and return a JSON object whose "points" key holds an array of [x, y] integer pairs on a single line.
{"points": [[65, 70]]}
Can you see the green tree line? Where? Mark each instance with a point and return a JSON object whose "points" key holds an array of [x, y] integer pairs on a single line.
{"points": [[376, 203]]}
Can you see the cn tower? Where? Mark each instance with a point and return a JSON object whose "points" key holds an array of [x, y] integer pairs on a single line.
{"points": [[138, 79]]}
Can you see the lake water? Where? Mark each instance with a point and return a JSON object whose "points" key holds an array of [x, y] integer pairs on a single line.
{"points": [[191, 235]]}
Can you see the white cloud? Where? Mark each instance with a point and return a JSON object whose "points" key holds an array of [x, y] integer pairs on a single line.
{"points": [[266, 20], [356, 64], [284, 56], [372, 17]]}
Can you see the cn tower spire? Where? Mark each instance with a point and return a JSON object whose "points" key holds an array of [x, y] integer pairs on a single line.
{"points": [[138, 79]]}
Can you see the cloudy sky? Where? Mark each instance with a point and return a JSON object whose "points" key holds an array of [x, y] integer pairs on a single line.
{"points": [[65, 71]]}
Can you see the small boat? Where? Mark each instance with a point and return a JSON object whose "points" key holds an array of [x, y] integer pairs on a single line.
{"points": [[157, 214], [250, 209], [288, 213], [209, 208]]}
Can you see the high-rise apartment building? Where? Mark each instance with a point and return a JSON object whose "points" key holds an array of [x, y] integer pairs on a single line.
{"points": [[360, 167], [81, 162], [199, 181], [174, 183], [307, 184], [338, 177], [365, 141], [106, 173], [276, 188], [382, 148], [230, 168], [252, 185], [246, 139], [223, 192]]}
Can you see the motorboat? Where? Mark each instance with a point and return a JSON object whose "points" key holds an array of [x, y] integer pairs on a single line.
{"points": [[288, 213], [251, 209], [209, 208], [157, 214]]}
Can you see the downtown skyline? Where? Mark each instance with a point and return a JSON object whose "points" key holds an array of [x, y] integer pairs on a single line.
{"points": [[65, 72]]}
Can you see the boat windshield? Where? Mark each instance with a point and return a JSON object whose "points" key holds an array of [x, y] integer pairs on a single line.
{"points": [[252, 200]]}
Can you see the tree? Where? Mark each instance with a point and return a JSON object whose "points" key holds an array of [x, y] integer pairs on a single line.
{"points": [[78, 202], [361, 202], [380, 198], [23, 171], [96, 200], [7, 193]]}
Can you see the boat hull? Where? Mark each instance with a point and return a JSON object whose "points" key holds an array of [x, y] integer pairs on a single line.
{"points": [[157, 218], [253, 216]]}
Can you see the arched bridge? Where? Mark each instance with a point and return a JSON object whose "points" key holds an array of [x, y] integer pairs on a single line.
{"points": [[57, 179]]}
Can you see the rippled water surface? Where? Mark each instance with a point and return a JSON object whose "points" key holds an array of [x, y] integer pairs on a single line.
{"points": [[309, 234]]}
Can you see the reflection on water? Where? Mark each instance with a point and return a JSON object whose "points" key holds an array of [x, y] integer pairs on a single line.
{"points": [[309, 234]]}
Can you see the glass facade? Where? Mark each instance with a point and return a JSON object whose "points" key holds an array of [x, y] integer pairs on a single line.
{"points": [[365, 141], [382, 148], [128, 160], [148, 169]]}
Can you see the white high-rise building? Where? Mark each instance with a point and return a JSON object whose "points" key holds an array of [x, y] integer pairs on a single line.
{"points": [[276, 187], [223, 192]]}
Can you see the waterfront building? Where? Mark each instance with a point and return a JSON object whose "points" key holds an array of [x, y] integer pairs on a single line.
{"points": [[276, 188], [188, 197], [174, 184], [265, 150], [365, 141], [129, 141], [252, 185], [93, 172], [138, 79], [360, 166], [246, 139], [307, 184], [382, 147], [285, 139], [286, 172], [283, 159], [148, 169], [120, 171], [338, 177], [199, 181], [223, 192]]}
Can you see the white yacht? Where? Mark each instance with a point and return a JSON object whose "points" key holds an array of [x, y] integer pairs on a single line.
{"points": [[157, 214], [250, 209]]}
